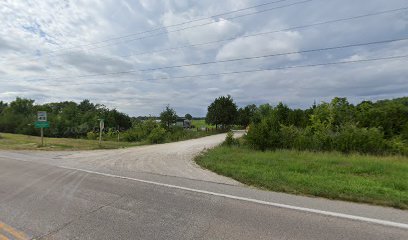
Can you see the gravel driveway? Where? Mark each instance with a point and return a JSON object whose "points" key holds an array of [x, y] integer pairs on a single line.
{"points": [[170, 159]]}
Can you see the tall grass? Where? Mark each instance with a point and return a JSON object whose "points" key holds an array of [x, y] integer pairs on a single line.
{"points": [[354, 177]]}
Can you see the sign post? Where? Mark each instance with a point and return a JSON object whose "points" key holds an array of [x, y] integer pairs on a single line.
{"points": [[42, 123], [101, 127], [42, 137]]}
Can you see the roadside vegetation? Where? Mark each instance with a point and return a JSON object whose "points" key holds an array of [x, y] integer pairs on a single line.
{"points": [[154, 132], [72, 124], [332, 149], [380, 180], [200, 123], [9, 141], [379, 128], [335, 150], [67, 119]]}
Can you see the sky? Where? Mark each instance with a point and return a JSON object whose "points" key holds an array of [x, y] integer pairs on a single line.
{"points": [[117, 52]]}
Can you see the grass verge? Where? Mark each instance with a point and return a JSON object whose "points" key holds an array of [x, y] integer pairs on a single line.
{"points": [[359, 178], [10, 141]]}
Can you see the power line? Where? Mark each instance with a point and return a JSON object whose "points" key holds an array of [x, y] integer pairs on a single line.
{"points": [[203, 24], [235, 59], [271, 32], [278, 54], [266, 33], [252, 71], [178, 30], [173, 25]]}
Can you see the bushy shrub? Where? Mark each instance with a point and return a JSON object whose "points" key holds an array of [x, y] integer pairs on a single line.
{"points": [[230, 140], [158, 135], [305, 139], [322, 133], [265, 135], [91, 135], [397, 146], [133, 135], [319, 137], [148, 126], [176, 133], [258, 136], [404, 132], [140, 131], [289, 136], [351, 138]]}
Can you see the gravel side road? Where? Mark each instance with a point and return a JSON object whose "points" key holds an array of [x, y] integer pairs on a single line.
{"points": [[171, 159]]}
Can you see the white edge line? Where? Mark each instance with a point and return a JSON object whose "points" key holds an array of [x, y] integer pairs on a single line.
{"points": [[303, 209]]}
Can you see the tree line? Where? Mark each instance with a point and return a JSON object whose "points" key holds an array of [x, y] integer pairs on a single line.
{"points": [[369, 127], [81, 120], [68, 119]]}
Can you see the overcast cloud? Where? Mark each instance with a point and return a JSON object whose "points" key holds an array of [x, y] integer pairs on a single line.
{"points": [[40, 57]]}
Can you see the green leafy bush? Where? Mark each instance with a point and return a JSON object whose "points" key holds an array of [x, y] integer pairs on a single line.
{"points": [[397, 146], [404, 132], [266, 134], [230, 140], [351, 138], [158, 135], [289, 136], [140, 131], [91, 135], [133, 135], [176, 133], [258, 136]]}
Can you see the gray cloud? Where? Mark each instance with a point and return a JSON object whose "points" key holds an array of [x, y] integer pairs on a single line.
{"points": [[30, 30]]}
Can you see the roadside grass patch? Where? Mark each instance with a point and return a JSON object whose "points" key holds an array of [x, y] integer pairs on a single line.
{"points": [[24, 142], [380, 180], [10, 141]]}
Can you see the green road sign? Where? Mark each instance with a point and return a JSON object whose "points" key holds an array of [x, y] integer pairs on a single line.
{"points": [[39, 124]]}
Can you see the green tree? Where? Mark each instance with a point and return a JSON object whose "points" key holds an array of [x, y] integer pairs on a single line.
{"points": [[188, 116], [261, 112], [168, 116], [282, 112], [389, 115], [22, 106], [18, 117], [343, 111], [298, 118], [222, 111], [3, 105], [246, 115]]}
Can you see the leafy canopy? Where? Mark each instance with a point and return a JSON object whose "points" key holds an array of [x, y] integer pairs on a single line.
{"points": [[168, 116], [222, 111]]}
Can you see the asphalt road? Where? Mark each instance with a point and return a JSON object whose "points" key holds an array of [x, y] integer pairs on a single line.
{"points": [[44, 200]]}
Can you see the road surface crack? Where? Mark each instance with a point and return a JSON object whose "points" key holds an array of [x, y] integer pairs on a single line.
{"points": [[77, 219]]}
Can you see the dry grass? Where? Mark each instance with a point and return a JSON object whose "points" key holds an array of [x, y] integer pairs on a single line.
{"points": [[24, 142]]}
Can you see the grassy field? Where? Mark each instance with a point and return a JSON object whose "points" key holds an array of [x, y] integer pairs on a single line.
{"points": [[24, 142], [367, 179], [200, 123]]}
